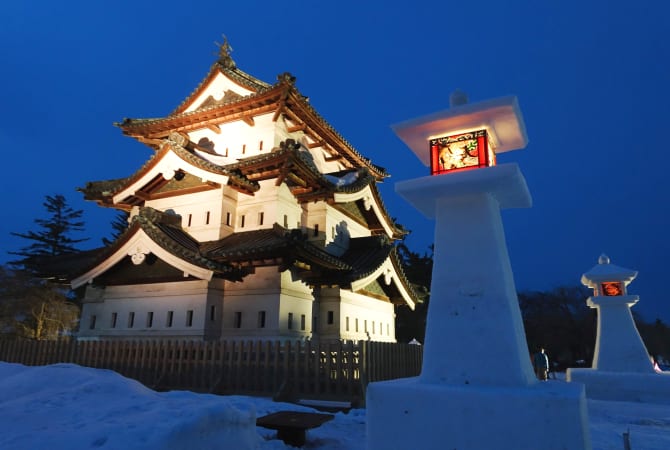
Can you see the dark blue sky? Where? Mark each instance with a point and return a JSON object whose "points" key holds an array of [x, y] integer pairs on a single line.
{"points": [[592, 78]]}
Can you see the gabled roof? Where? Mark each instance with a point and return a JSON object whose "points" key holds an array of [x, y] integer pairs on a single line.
{"points": [[226, 66], [270, 243], [280, 98], [160, 234], [152, 232], [173, 169], [372, 259], [353, 191]]}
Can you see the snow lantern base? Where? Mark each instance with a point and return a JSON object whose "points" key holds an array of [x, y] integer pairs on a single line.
{"points": [[549, 415], [623, 386]]}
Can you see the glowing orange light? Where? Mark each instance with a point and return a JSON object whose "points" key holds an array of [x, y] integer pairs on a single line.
{"points": [[461, 151], [611, 288]]}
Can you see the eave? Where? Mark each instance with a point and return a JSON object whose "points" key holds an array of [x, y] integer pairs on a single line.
{"points": [[136, 244]]}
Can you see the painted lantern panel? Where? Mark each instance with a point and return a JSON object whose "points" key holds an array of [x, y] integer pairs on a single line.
{"points": [[459, 152], [611, 288]]}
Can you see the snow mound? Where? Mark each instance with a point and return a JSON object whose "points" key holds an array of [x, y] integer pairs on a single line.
{"points": [[113, 412]]}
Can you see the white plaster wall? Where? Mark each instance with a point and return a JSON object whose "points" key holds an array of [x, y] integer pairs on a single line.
{"points": [[339, 228], [217, 87], [273, 292], [179, 297], [239, 138], [298, 299], [263, 201], [314, 219], [258, 292], [197, 205], [363, 313], [289, 212]]}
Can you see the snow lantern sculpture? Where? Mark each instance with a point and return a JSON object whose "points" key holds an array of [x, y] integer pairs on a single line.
{"points": [[619, 347], [474, 309]]}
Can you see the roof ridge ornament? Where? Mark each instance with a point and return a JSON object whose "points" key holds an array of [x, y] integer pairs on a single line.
{"points": [[286, 78], [225, 60]]}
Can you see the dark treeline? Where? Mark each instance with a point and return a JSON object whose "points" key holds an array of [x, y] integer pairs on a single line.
{"points": [[558, 320]]}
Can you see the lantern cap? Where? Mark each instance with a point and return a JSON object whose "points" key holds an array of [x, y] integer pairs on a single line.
{"points": [[604, 271], [500, 117]]}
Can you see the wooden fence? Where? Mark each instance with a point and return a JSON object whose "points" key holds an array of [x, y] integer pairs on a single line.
{"points": [[289, 371]]}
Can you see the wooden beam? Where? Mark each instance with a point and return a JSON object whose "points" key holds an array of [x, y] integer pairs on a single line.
{"points": [[142, 195], [295, 128], [249, 120], [214, 127], [297, 180], [333, 158], [316, 144]]}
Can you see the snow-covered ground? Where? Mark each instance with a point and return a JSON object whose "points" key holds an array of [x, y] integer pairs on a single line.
{"points": [[65, 406]]}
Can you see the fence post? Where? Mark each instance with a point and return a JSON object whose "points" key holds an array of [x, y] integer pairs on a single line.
{"points": [[363, 371]]}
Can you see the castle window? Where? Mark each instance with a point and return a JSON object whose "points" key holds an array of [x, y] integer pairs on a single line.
{"points": [[285, 221], [207, 218], [189, 318], [113, 322], [388, 330], [331, 317], [226, 152], [356, 323], [346, 323], [260, 145], [290, 321], [91, 323], [302, 322], [131, 319], [238, 319], [373, 327], [190, 218], [261, 319], [260, 218], [242, 221], [212, 312], [169, 318], [228, 218], [244, 148], [365, 326], [150, 319], [316, 229]]}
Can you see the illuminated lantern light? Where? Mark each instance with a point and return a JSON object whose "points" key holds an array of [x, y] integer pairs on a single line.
{"points": [[461, 151], [610, 289], [466, 135], [608, 280]]}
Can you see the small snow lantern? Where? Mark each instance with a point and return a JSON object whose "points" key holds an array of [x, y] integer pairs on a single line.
{"points": [[608, 280]]}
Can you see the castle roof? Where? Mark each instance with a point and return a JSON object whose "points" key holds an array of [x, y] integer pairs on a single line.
{"points": [[178, 255], [281, 98]]}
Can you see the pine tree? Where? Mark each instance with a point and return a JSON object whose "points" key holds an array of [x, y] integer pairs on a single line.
{"points": [[53, 238], [119, 225]]}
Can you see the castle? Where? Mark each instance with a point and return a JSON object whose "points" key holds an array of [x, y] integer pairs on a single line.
{"points": [[253, 219]]}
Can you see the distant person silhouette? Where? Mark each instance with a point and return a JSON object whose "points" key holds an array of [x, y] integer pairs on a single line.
{"points": [[541, 365]]}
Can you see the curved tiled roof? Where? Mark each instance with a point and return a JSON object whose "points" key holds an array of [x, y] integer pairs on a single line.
{"points": [[283, 91], [277, 241], [165, 230], [227, 66], [101, 190]]}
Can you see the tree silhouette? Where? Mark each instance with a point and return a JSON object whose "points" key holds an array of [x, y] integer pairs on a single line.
{"points": [[411, 324], [53, 237], [119, 225]]}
